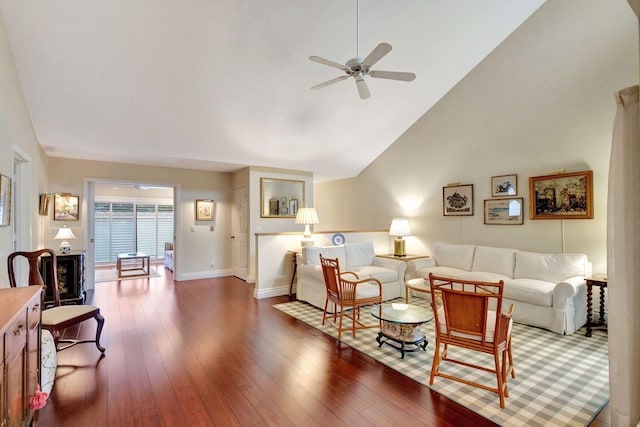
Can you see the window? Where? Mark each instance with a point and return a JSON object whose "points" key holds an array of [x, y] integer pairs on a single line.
{"points": [[131, 227]]}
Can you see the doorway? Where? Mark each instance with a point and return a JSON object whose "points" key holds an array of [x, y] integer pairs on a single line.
{"points": [[127, 217]]}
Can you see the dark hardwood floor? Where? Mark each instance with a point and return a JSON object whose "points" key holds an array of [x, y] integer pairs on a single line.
{"points": [[205, 352]]}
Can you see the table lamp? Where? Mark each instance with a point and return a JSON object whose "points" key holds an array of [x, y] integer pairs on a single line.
{"points": [[64, 234], [399, 228], [307, 216]]}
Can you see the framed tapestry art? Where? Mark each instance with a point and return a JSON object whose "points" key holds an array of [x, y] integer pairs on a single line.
{"points": [[204, 210], [562, 196], [66, 207], [506, 211], [504, 185], [457, 200]]}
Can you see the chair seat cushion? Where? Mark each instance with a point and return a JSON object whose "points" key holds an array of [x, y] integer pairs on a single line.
{"points": [[367, 290], [55, 315], [381, 273], [489, 335]]}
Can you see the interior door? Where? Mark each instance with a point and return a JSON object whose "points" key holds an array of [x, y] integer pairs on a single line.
{"points": [[239, 243]]}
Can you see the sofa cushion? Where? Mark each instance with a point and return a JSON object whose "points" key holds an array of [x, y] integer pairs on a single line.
{"points": [[381, 273], [450, 272], [458, 256], [549, 267], [359, 254], [482, 276], [532, 291], [494, 260], [311, 254]]}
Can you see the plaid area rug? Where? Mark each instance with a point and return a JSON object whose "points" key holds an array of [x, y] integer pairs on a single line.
{"points": [[560, 380]]}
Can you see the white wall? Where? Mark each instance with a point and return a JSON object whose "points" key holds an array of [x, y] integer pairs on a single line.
{"points": [[16, 132], [197, 246], [543, 100], [274, 259], [272, 225]]}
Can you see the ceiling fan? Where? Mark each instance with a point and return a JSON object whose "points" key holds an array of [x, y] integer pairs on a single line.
{"points": [[358, 67]]}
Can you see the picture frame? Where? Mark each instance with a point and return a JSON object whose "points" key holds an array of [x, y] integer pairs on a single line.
{"points": [[293, 207], [504, 211], [457, 200], [561, 196], [279, 196], [5, 200], [204, 209], [504, 185], [66, 207]]}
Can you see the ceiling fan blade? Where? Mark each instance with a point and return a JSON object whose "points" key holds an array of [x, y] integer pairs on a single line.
{"points": [[329, 63], [393, 75], [376, 54], [329, 82], [363, 89]]}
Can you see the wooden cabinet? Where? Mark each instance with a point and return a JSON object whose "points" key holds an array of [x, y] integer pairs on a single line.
{"points": [[70, 278], [20, 330]]}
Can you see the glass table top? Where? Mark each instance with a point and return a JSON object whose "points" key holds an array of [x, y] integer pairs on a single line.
{"points": [[401, 313]]}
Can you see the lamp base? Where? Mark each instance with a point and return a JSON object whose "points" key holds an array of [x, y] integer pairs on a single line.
{"points": [[306, 242], [399, 249], [64, 249]]}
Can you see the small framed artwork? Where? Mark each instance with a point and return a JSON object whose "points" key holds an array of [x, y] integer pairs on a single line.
{"points": [[293, 207], [562, 196], [505, 211], [66, 207], [5, 200], [504, 185], [273, 207], [204, 210], [457, 200]]}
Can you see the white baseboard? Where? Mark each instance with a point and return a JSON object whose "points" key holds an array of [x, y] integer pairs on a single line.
{"points": [[271, 292], [203, 275]]}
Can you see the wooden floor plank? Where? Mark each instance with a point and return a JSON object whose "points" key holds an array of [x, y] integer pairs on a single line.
{"points": [[205, 352]]}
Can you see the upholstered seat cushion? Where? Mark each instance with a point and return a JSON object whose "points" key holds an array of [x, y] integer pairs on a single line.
{"points": [[381, 273], [55, 315]]}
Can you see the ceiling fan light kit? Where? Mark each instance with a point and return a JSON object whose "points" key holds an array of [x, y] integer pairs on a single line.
{"points": [[358, 68]]}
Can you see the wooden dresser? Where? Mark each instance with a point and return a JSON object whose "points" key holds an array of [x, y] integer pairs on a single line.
{"points": [[20, 352]]}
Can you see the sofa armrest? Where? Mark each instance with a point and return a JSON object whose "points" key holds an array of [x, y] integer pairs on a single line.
{"points": [[414, 265], [394, 264], [568, 288]]}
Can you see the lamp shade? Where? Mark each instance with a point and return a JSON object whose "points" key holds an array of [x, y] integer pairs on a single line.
{"points": [[64, 233], [400, 227], [307, 216]]}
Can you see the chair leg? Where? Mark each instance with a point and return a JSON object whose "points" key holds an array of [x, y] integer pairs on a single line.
{"points": [[324, 315], [100, 319], [496, 359], [435, 366]]}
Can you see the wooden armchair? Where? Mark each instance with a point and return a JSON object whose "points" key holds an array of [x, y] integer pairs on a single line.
{"points": [[469, 315], [348, 294], [58, 317]]}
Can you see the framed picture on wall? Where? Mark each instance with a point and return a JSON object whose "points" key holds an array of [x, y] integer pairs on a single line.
{"points": [[504, 185], [66, 207], [562, 196], [457, 200], [505, 211], [204, 210]]}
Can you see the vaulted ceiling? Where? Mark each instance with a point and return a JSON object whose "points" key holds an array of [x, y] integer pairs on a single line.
{"points": [[224, 84]]}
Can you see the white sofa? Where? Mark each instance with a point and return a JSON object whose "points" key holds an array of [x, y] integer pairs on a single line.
{"points": [[357, 257], [548, 290]]}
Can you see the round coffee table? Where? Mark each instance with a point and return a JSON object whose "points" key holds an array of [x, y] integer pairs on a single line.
{"points": [[402, 324], [418, 285]]}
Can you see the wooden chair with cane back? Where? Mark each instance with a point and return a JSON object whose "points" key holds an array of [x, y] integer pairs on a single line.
{"points": [[469, 315], [347, 296], [59, 317]]}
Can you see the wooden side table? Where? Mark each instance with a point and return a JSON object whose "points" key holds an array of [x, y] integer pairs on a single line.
{"points": [[598, 279], [403, 258], [294, 268]]}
